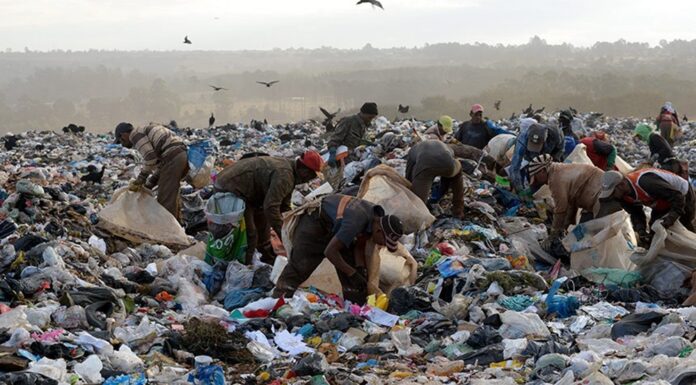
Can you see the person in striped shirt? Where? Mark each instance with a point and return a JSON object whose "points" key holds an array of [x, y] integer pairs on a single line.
{"points": [[165, 161]]}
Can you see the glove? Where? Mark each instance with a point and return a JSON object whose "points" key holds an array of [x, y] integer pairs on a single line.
{"points": [[332, 158], [668, 220], [135, 185]]}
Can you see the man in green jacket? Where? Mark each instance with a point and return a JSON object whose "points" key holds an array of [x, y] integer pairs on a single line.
{"points": [[349, 132], [266, 184]]}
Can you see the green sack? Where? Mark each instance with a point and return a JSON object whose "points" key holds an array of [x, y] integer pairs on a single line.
{"points": [[231, 247]]}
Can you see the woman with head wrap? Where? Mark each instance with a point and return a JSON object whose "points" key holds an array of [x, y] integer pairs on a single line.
{"points": [[660, 150]]}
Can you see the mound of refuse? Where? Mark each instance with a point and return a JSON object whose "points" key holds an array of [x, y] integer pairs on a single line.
{"points": [[100, 285]]}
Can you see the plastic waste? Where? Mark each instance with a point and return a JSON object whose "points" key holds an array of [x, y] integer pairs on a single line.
{"points": [[635, 323], [444, 369], [208, 375], [519, 325], [90, 369], [311, 365], [126, 379], [401, 338], [563, 306]]}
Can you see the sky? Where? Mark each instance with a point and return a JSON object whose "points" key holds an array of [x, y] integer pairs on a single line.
{"points": [[267, 24]]}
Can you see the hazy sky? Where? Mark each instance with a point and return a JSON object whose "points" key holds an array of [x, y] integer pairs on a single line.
{"points": [[266, 24]]}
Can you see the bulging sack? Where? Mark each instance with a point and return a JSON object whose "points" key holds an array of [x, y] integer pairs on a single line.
{"points": [[138, 217], [201, 162], [383, 186]]}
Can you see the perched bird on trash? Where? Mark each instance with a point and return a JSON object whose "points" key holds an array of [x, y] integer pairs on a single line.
{"points": [[211, 120], [93, 175], [529, 111], [497, 105], [513, 116], [186, 40], [216, 88], [375, 3], [269, 84], [685, 118], [10, 142], [403, 109], [573, 110], [539, 111]]}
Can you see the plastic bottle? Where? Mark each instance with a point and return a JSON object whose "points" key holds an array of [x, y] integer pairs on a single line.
{"points": [[445, 369]]}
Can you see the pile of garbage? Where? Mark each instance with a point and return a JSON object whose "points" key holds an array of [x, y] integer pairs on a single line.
{"points": [[86, 299]]}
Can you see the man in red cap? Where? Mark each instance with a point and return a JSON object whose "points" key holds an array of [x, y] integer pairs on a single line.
{"points": [[477, 132], [266, 184]]}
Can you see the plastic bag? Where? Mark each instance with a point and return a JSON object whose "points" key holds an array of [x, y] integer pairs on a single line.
{"points": [[578, 155], [382, 185], [137, 217], [603, 242], [231, 247], [674, 244], [237, 277], [125, 360], [519, 325], [201, 162], [90, 369]]}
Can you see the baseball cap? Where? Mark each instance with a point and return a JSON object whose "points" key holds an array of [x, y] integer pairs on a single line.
{"points": [[393, 230], [446, 123], [610, 180], [476, 108], [536, 137], [312, 160]]}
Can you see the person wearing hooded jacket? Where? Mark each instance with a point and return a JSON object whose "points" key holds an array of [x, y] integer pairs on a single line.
{"points": [[266, 184]]}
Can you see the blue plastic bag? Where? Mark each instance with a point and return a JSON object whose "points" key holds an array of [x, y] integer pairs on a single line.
{"points": [[563, 306], [125, 379], [208, 375], [198, 152]]}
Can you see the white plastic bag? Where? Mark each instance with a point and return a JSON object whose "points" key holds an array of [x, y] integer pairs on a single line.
{"points": [[603, 242], [383, 186], [520, 325], [90, 369], [137, 217]]}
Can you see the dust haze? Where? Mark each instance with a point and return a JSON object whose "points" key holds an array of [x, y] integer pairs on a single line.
{"points": [[98, 89]]}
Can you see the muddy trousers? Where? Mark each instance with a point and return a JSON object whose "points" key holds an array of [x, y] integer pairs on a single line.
{"points": [[311, 237], [172, 171], [423, 183], [258, 235]]}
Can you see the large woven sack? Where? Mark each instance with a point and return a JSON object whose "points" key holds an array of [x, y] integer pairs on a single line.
{"points": [[383, 186], [138, 217]]}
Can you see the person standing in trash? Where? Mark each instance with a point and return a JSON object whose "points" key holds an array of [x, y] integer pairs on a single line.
{"points": [[600, 151], [668, 123], [536, 140], [565, 121], [440, 129], [349, 132], [670, 197], [266, 184], [573, 186], [338, 230], [478, 131], [165, 161], [430, 159], [660, 150]]}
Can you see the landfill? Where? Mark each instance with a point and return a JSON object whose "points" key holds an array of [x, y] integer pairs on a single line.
{"points": [[86, 298]]}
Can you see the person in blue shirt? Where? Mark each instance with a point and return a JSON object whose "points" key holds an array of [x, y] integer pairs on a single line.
{"points": [[536, 140]]}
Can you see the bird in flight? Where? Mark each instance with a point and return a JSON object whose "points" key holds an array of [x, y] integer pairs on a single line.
{"points": [[211, 120], [497, 105], [375, 3], [269, 84], [216, 88], [403, 109], [186, 40]]}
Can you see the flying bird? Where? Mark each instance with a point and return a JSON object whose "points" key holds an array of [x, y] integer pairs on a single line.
{"points": [[328, 122], [216, 88], [211, 120], [497, 105], [375, 3], [186, 40], [269, 84], [403, 109]]}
